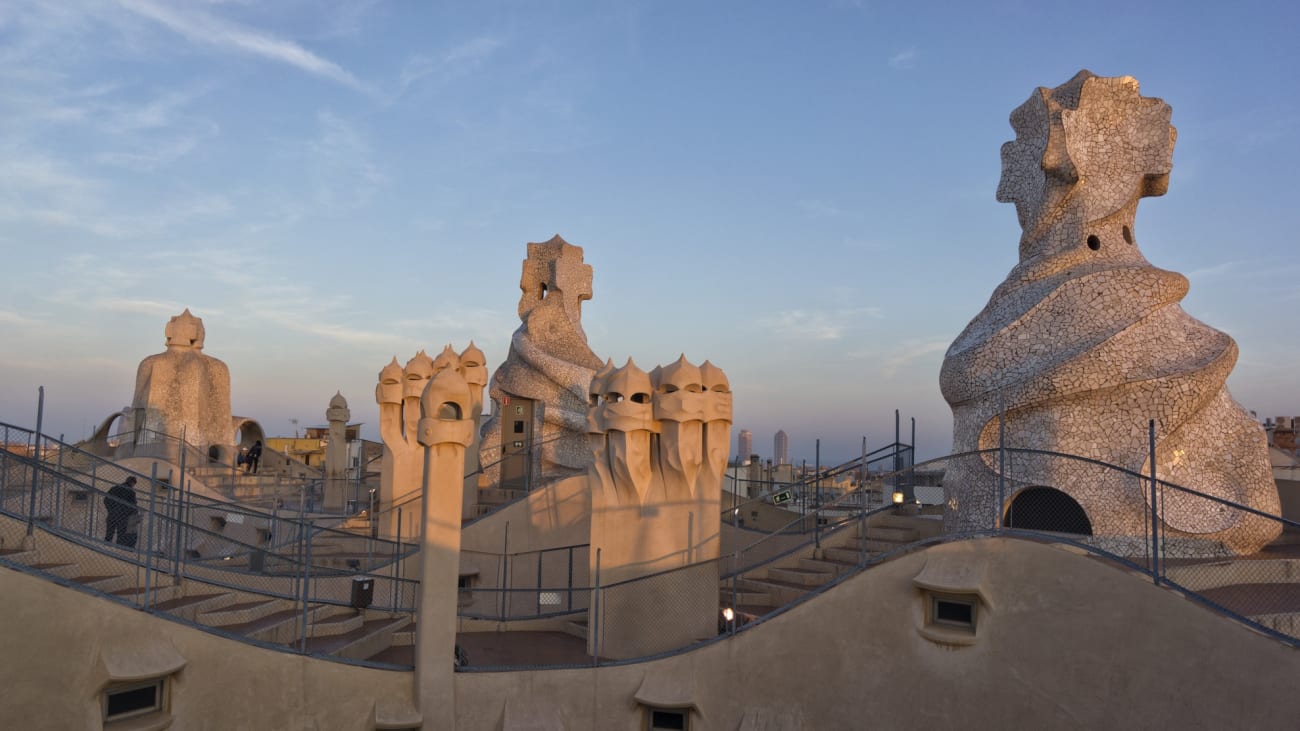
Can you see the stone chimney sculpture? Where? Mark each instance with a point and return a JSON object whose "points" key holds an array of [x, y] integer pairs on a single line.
{"points": [[1085, 342], [336, 453], [660, 442], [445, 430], [183, 392], [539, 392], [398, 395], [474, 366]]}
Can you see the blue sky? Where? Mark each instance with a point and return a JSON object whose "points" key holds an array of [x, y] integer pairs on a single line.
{"points": [[802, 192]]}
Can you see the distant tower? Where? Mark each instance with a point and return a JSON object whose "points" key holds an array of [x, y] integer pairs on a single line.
{"points": [[744, 445], [336, 453], [781, 448]]}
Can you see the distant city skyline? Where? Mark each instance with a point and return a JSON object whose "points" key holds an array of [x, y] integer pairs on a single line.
{"points": [[802, 194], [744, 445]]}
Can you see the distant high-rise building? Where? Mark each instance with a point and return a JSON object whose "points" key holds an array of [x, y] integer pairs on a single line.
{"points": [[744, 445], [781, 448]]}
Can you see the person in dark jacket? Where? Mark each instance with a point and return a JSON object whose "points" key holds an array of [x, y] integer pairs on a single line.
{"points": [[120, 506], [253, 457]]}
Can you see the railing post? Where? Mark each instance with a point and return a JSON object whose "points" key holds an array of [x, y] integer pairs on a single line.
{"points": [[803, 497], [911, 464], [58, 485], [4, 468], [179, 489], [817, 501], [183, 526], [397, 552], [593, 625], [1155, 518], [735, 580], [505, 572], [539, 583], [862, 541], [1002, 468], [570, 598], [36, 458], [148, 548], [862, 474], [306, 594]]}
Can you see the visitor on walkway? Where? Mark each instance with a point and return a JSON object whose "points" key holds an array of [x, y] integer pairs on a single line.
{"points": [[253, 457], [119, 504]]}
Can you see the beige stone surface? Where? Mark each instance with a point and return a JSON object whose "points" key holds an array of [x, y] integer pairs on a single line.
{"points": [[1103, 650], [549, 362], [660, 442], [474, 366], [445, 430], [183, 391], [1085, 340], [398, 395]]}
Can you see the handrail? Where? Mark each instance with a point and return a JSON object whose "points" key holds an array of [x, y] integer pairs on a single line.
{"points": [[889, 451], [418, 493], [861, 510], [198, 501]]}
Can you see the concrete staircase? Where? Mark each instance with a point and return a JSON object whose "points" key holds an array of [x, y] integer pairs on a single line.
{"points": [[331, 629], [1264, 587], [763, 590]]}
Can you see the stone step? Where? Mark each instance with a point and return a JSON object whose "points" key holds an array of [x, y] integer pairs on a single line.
{"points": [[191, 605], [750, 612], [880, 545], [779, 593], [835, 568], [1210, 575], [107, 583], [844, 555], [281, 626], [742, 597], [135, 594], [65, 570], [400, 655], [1288, 623], [576, 627], [892, 534], [336, 624], [801, 577], [238, 612], [404, 637], [373, 636], [19, 555]]}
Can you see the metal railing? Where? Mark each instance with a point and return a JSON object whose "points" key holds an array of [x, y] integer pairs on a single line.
{"points": [[505, 586], [1175, 535], [809, 493], [138, 555]]}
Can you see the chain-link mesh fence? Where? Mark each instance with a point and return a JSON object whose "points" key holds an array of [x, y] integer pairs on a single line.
{"points": [[289, 581], [525, 585], [142, 545]]}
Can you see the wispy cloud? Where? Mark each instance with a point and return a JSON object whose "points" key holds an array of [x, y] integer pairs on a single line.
{"points": [[822, 209], [200, 27], [904, 59], [816, 325], [909, 353], [13, 318], [1213, 271], [40, 189], [456, 61], [137, 306], [340, 155]]}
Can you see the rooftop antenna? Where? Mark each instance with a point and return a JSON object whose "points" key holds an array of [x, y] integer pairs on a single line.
{"points": [[295, 427]]}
